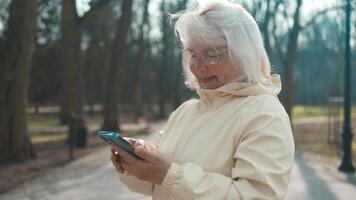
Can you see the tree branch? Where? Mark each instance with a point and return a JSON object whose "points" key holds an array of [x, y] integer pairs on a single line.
{"points": [[323, 12], [97, 5], [280, 52]]}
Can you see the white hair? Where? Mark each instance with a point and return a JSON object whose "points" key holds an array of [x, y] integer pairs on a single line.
{"points": [[222, 23]]}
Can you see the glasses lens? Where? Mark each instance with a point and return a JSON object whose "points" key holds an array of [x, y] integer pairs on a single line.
{"points": [[211, 56], [187, 56]]}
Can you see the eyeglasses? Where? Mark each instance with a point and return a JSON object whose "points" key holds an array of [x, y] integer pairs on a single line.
{"points": [[209, 56]]}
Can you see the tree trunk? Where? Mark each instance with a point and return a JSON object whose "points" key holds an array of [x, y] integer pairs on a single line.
{"points": [[137, 104], [161, 72], [15, 60], [288, 64], [71, 40], [100, 27], [178, 71], [71, 85], [265, 28], [111, 120]]}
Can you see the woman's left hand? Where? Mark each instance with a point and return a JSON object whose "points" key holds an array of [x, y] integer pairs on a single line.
{"points": [[153, 168]]}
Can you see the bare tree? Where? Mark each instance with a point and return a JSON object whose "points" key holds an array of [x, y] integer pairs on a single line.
{"points": [[100, 31], [169, 71], [111, 120], [71, 40], [289, 57], [71, 85], [161, 68], [144, 27], [16, 59], [265, 25]]}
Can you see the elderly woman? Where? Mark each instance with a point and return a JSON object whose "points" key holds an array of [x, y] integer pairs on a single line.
{"points": [[235, 141]]}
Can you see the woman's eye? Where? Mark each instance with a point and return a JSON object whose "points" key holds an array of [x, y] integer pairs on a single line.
{"points": [[213, 56], [211, 53]]}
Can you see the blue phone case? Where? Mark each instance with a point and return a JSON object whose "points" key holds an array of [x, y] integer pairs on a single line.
{"points": [[114, 138]]}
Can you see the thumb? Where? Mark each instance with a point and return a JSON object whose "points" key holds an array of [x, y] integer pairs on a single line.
{"points": [[150, 156]]}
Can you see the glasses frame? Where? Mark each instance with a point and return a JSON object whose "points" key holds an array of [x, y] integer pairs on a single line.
{"points": [[207, 60]]}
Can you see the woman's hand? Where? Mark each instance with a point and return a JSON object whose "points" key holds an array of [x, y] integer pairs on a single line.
{"points": [[116, 161], [153, 168], [115, 158]]}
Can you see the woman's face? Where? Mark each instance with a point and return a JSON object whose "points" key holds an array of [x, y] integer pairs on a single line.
{"points": [[211, 66]]}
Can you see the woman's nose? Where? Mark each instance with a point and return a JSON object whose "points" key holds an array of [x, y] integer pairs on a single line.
{"points": [[200, 64]]}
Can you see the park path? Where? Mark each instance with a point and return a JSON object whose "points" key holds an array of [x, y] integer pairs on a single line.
{"points": [[94, 178]]}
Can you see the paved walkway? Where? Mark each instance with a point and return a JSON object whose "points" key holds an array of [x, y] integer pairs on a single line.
{"points": [[94, 178], [313, 179]]}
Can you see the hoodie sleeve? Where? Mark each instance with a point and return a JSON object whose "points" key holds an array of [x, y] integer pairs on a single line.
{"points": [[136, 185], [140, 186], [263, 163]]}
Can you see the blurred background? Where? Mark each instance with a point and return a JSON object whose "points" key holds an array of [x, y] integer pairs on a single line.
{"points": [[71, 67]]}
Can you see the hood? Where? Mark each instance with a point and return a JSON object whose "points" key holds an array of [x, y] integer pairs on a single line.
{"points": [[271, 86]]}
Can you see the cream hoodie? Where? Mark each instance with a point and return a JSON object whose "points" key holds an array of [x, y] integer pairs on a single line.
{"points": [[235, 142]]}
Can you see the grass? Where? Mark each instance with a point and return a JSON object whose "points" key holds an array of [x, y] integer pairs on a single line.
{"points": [[37, 139], [301, 112], [39, 121], [315, 138], [311, 138]]}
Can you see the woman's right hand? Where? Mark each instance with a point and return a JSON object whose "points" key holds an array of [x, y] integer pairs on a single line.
{"points": [[116, 161], [115, 158]]}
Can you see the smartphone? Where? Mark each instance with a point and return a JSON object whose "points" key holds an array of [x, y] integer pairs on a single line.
{"points": [[114, 138]]}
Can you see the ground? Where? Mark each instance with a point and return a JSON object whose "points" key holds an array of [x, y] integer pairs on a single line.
{"points": [[49, 139], [49, 156], [310, 136], [93, 177]]}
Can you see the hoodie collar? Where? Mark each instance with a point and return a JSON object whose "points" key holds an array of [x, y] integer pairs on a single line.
{"points": [[270, 86]]}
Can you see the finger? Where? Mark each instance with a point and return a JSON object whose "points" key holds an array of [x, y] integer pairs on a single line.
{"points": [[116, 160], [115, 149], [127, 167], [135, 142], [119, 169], [115, 153], [117, 164], [144, 144], [131, 140], [139, 144], [126, 157], [150, 156]]}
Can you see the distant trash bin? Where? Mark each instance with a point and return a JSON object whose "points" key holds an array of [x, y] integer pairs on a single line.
{"points": [[82, 137]]}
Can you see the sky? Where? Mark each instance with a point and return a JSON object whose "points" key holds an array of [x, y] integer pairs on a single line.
{"points": [[308, 9], [309, 6]]}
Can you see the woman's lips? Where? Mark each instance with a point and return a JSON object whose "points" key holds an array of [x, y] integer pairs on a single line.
{"points": [[208, 79]]}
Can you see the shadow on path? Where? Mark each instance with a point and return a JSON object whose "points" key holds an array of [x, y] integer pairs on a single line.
{"points": [[317, 189], [351, 178]]}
